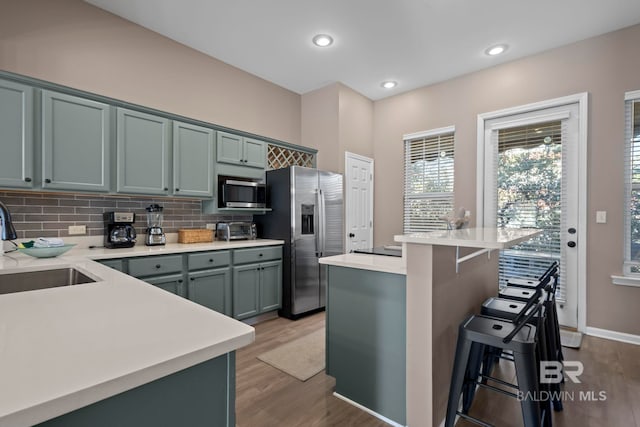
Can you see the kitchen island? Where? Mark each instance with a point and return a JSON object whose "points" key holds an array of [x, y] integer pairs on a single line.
{"points": [[442, 278], [114, 352]]}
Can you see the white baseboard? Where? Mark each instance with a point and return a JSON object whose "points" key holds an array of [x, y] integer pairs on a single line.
{"points": [[367, 410], [613, 335]]}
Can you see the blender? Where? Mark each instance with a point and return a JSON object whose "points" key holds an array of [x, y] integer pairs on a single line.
{"points": [[155, 235]]}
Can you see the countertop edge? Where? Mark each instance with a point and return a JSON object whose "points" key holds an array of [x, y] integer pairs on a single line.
{"points": [[395, 265], [81, 398]]}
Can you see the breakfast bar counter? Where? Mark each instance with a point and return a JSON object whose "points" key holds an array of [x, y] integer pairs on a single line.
{"points": [[449, 274]]}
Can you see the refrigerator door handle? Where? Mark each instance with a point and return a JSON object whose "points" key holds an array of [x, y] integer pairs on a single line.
{"points": [[323, 228], [316, 220]]}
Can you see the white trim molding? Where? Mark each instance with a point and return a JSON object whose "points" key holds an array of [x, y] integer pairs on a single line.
{"points": [[428, 133], [613, 335], [625, 280], [582, 99], [367, 410]]}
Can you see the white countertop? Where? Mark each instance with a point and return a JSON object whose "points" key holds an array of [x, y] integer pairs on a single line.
{"points": [[64, 348], [382, 263], [487, 238]]}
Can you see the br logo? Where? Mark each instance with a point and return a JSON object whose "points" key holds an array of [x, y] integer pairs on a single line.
{"points": [[551, 372]]}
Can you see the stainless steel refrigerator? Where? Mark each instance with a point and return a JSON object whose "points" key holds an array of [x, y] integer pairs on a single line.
{"points": [[307, 209]]}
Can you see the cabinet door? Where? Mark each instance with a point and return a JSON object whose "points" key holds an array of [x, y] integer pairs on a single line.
{"points": [[143, 153], [16, 139], [229, 148], [270, 286], [211, 288], [75, 143], [254, 153], [192, 160], [173, 283], [246, 280]]}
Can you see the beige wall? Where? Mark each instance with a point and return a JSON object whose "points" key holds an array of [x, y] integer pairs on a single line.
{"points": [[355, 124], [336, 119], [606, 67], [72, 43], [320, 128]]}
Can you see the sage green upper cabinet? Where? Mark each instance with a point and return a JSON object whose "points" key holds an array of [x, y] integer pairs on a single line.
{"points": [[75, 143], [192, 160], [255, 153], [238, 150], [16, 135], [143, 151]]}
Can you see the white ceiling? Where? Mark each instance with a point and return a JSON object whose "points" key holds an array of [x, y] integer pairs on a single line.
{"points": [[414, 42]]}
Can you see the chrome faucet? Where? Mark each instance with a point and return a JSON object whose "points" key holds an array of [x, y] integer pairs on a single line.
{"points": [[8, 232]]}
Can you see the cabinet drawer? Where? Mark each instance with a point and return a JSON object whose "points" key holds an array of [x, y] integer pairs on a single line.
{"points": [[265, 253], [200, 260], [155, 265], [116, 264]]}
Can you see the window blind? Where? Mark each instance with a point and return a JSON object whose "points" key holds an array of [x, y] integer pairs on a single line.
{"points": [[632, 184], [530, 186], [428, 184]]}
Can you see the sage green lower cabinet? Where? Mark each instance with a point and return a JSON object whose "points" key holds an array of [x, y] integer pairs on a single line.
{"points": [[116, 264], [257, 288], [366, 338], [200, 396], [239, 283], [173, 283], [257, 281], [16, 124], [270, 286], [211, 288], [246, 291]]}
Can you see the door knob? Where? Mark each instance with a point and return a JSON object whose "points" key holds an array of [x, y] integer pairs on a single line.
{"points": [[572, 230], [571, 244], [352, 235]]}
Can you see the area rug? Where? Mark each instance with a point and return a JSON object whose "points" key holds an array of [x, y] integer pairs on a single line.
{"points": [[301, 358], [570, 339]]}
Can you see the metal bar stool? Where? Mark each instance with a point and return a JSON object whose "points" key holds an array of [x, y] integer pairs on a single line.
{"points": [[521, 290], [520, 338], [509, 309]]}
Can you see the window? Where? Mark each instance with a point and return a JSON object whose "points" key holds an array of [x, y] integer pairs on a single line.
{"points": [[632, 179], [428, 179]]}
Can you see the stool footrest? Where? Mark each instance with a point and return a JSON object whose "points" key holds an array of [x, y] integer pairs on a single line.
{"points": [[498, 390], [474, 420], [495, 380]]}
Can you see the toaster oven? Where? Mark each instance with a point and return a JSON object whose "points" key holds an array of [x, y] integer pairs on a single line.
{"points": [[236, 231]]}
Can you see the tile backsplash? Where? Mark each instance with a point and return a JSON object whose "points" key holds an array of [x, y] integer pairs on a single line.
{"points": [[50, 214]]}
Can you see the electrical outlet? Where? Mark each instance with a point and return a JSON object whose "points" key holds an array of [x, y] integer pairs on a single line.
{"points": [[210, 226], [601, 217], [77, 229]]}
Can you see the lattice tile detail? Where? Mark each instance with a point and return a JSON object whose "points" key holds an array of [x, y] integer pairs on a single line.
{"points": [[281, 157]]}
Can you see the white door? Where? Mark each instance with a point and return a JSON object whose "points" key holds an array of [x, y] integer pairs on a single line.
{"points": [[358, 202], [531, 171]]}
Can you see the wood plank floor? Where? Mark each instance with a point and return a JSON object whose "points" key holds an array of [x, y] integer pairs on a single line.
{"points": [[267, 397]]}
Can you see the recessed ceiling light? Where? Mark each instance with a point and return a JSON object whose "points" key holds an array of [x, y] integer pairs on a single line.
{"points": [[496, 50], [389, 84], [322, 40]]}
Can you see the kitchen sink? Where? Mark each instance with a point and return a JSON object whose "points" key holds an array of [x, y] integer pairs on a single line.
{"points": [[44, 279]]}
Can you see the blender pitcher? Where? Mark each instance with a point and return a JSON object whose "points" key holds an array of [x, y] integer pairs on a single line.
{"points": [[155, 235]]}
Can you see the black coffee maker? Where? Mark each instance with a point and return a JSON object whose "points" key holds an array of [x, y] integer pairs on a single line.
{"points": [[118, 231]]}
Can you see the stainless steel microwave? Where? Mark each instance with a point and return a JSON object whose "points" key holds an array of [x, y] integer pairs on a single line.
{"points": [[235, 193]]}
